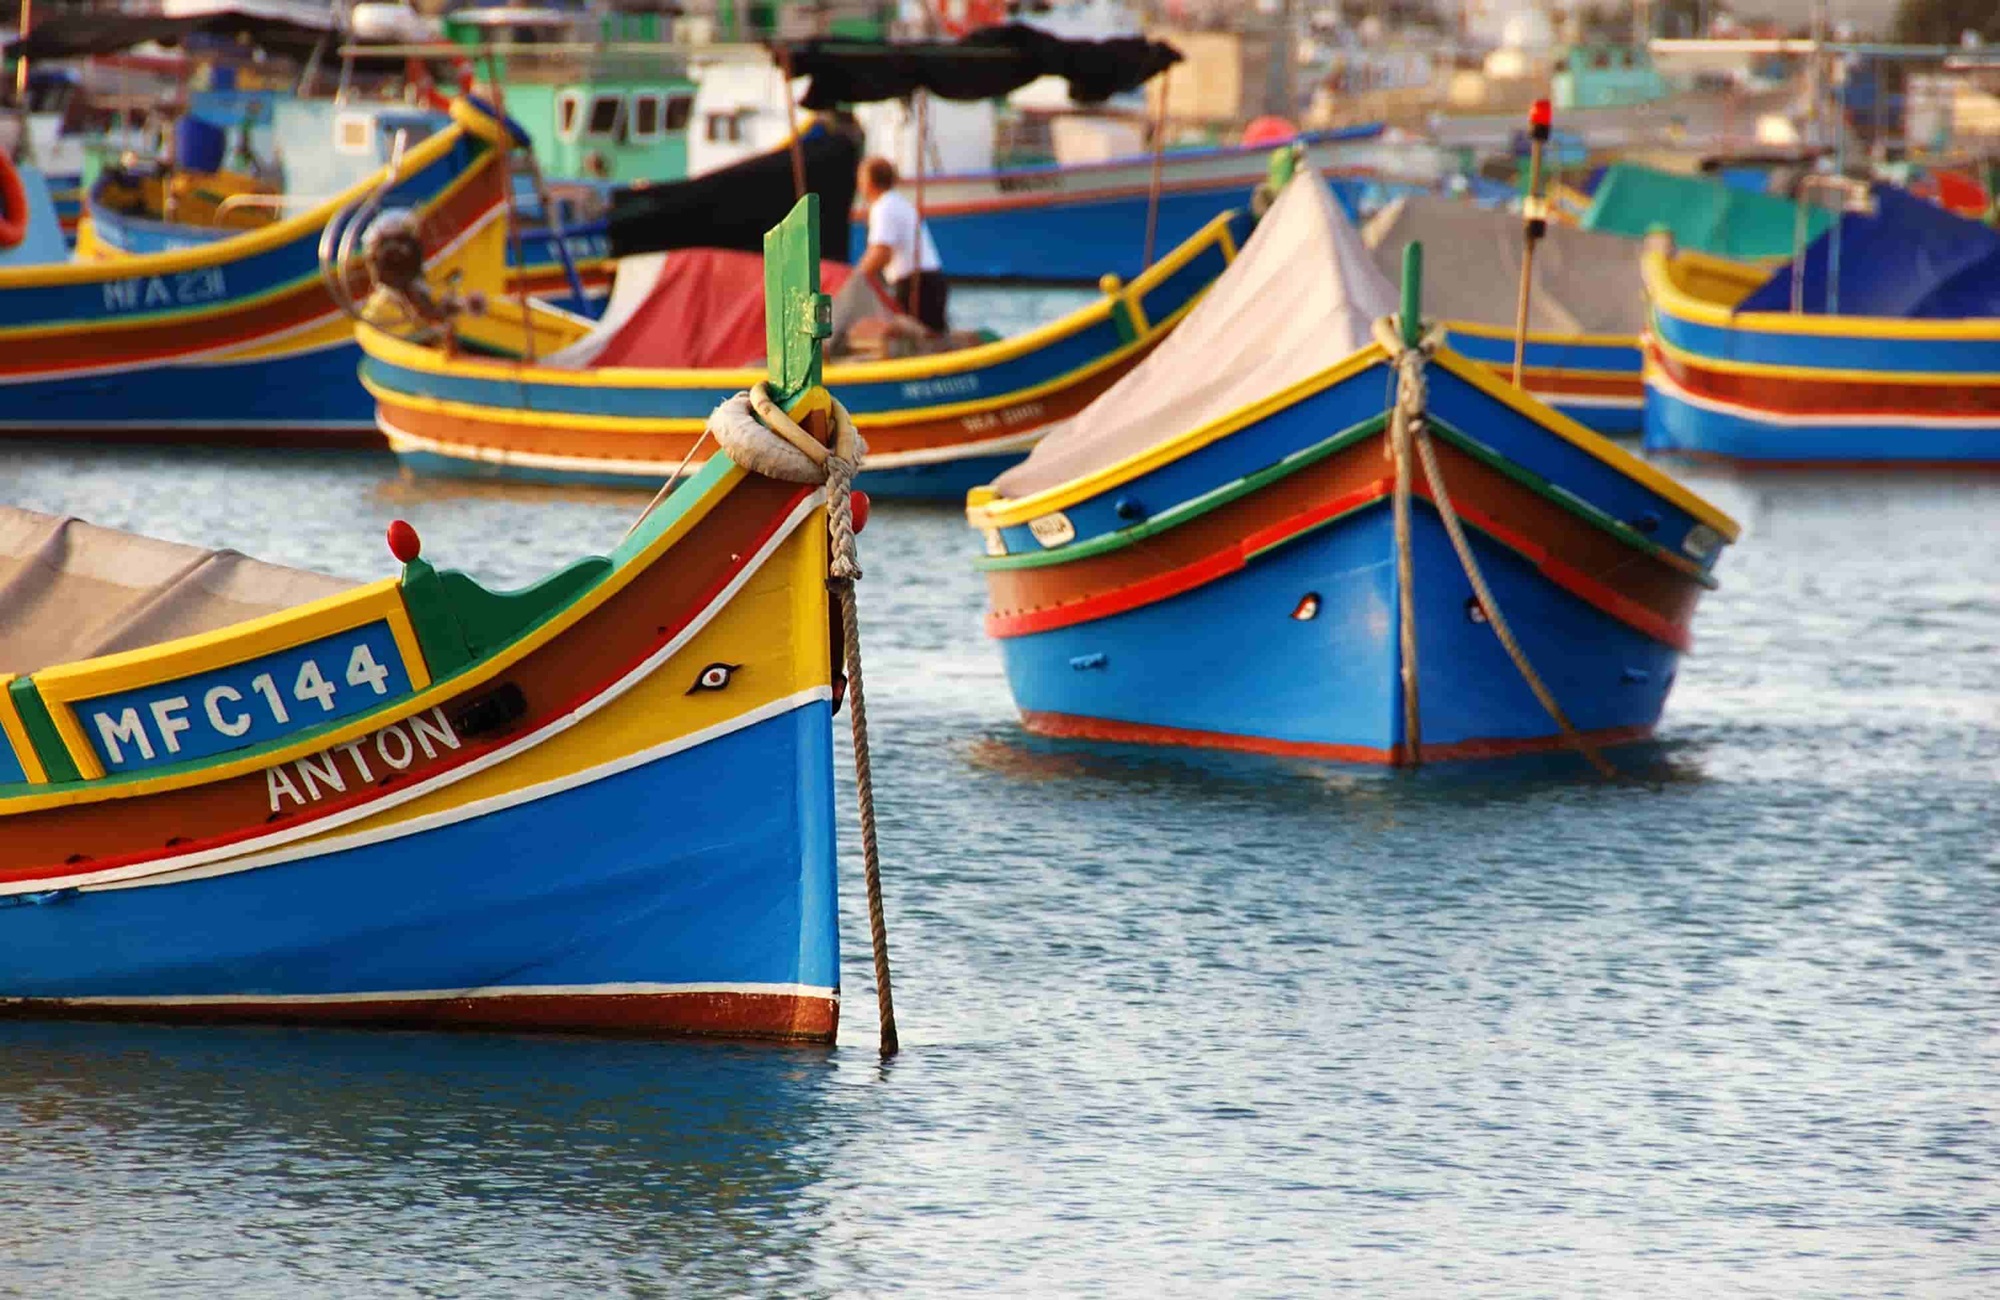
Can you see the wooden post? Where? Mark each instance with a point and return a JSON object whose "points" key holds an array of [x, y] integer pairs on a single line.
{"points": [[922, 103], [1159, 163], [792, 127], [514, 239], [25, 153], [1534, 224], [1413, 292]]}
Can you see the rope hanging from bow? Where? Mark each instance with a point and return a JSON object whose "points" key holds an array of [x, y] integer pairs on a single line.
{"points": [[1409, 427], [758, 435]]}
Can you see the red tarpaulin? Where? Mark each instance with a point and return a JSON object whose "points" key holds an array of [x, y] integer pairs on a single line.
{"points": [[705, 312]]}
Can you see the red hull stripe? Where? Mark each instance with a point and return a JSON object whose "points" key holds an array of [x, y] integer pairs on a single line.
{"points": [[1162, 586], [1809, 395], [736, 1015], [1072, 727]]}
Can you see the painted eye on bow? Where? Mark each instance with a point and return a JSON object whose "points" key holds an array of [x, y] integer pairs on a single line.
{"points": [[713, 678]]}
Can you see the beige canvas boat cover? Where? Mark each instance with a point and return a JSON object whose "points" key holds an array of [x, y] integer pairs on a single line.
{"points": [[1585, 282], [1299, 298], [71, 590]]}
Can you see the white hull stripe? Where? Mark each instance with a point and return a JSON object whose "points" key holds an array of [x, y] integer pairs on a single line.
{"points": [[404, 442], [553, 727], [634, 990], [1659, 379]]}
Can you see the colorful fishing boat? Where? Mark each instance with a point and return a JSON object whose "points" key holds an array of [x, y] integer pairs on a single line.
{"points": [[623, 401], [244, 336], [1879, 347], [1586, 305], [1210, 555], [231, 791]]}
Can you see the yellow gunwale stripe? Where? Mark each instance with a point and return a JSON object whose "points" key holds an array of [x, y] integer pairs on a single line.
{"points": [[435, 693], [1665, 292], [16, 732], [1000, 513]]}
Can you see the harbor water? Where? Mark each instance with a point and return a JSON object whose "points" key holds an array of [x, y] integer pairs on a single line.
{"points": [[1173, 1023]]}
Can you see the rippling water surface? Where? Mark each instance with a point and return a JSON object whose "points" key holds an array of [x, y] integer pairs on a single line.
{"points": [[1173, 1024]]}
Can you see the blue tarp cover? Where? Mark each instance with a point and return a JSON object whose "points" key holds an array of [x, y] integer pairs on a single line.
{"points": [[1911, 260]]}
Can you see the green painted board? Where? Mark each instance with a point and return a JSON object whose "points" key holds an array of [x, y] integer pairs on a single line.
{"points": [[797, 316]]}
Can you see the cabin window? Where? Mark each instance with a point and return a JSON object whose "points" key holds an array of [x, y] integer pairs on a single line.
{"points": [[725, 128], [354, 133], [569, 111], [679, 109], [605, 111], [645, 117]]}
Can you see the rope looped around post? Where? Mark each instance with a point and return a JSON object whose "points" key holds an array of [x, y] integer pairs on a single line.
{"points": [[760, 436], [1409, 427]]}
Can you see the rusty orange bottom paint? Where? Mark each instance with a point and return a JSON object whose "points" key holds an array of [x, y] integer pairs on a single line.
{"points": [[1069, 726], [782, 1016]]}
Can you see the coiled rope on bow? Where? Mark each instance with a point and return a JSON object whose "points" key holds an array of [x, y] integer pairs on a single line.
{"points": [[1409, 426], [760, 436]]}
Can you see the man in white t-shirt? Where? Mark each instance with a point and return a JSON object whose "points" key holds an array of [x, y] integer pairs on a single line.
{"points": [[900, 249]]}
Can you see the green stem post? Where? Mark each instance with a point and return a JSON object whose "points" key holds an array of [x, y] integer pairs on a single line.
{"points": [[1413, 292]]}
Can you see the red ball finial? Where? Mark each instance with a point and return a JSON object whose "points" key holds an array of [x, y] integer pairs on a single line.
{"points": [[858, 503], [404, 543], [1540, 114]]}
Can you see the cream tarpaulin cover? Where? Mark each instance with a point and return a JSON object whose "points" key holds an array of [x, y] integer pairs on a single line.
{"points": [[1585, 282], [1301, 297], [71, 590]]}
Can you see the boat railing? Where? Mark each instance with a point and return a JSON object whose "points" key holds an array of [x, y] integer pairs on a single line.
{"points": [[1849, 196], [277, 202], [336, 241]]}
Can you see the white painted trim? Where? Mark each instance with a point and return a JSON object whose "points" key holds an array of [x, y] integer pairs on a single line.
{"points": [[402, 441], [555, 726], [1594, 401], [620, 990]]}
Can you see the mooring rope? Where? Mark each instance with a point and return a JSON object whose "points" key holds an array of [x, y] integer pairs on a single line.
{"points": [[743, 425], [1409, 424]]}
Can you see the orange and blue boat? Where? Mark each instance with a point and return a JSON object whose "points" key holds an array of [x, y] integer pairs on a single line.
{"points": [[622, 401], [1212, 556], [230, 791], [241, 336], [1879, 347]]}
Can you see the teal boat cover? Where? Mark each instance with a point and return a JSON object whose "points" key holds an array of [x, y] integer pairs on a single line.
{"points": [[1704, 215], [1910, 259]]}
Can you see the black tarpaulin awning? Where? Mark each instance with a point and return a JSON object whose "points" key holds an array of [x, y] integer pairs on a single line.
{"points": [[288, 29], [733, 206], [990, 62]]}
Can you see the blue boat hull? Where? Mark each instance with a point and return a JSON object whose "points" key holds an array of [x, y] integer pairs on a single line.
{"points": [[623, 897], [1227, 665], [170, 399], [1080, 240]]}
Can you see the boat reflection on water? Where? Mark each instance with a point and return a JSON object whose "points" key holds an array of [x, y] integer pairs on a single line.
{"points": [[557, 1160]]}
